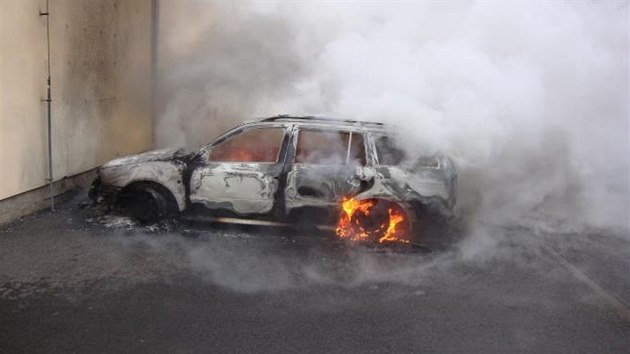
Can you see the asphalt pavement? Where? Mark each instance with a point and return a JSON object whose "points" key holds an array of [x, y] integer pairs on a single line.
{"points": [[80, 282]]}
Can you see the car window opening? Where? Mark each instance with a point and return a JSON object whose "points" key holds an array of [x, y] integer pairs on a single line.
{"points": [[330, 148], [387, 152], [254, 145]]}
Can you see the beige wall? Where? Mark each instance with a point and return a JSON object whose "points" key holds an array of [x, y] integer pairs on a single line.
{"points": [[101, 85], [22, 87]]}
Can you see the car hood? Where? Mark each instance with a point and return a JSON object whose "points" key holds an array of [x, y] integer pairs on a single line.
{"points": [[154, 155]]}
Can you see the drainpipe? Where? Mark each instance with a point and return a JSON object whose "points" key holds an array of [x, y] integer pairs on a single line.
{"points": [[49, 106], [155, 42]]}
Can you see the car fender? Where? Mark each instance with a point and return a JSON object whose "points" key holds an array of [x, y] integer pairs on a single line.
{"points": [[166, 173]]}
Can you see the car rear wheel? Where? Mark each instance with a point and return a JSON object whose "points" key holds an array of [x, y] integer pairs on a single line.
{"points": [[374, 220]]}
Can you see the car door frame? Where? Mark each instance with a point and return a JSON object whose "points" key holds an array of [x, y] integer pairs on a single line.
{"points": [[292, 201], [205, 168]]}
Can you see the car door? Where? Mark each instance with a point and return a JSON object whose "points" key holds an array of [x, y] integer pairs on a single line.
{"points": [[241, 173], [323, 168]]}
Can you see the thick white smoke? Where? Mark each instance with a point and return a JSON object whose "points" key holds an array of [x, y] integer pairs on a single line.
{"points": [[529, 98]]}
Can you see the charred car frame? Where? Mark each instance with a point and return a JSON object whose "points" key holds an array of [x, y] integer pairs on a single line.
{"points": [[288, 169]]}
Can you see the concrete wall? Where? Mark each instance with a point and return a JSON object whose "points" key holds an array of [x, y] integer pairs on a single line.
{"points": [[101, 87], [22, 86]]}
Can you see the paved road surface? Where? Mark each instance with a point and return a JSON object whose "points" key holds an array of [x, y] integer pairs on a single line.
{"points": [[68, 284]]}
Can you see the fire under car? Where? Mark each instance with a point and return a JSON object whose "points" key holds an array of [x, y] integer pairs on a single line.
{"points": [[344, 174]]}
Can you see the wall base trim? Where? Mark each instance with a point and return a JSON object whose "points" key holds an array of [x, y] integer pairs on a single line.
{"points": [[26, 203]]}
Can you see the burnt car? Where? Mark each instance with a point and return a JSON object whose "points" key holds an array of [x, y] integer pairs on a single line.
{"points": [[286, 169]]}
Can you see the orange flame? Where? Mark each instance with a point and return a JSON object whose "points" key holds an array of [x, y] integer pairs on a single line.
{"points": [[361, 221]]}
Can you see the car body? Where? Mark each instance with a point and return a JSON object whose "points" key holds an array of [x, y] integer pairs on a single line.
{"points": [[282, 169]]}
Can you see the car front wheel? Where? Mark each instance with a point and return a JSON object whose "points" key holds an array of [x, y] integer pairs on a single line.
{"points": [[148, 205]]}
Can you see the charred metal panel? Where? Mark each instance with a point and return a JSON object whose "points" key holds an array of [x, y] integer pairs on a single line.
{"points": [[245, 188], [319, 185], [408, 191], [120, 173], [155, 155]]}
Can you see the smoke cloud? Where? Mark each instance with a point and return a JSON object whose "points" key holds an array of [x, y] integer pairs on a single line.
{"points": [[530, 99]]}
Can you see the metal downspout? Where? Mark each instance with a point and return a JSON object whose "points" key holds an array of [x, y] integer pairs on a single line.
{"points": [[155, 84], [49, 106]]}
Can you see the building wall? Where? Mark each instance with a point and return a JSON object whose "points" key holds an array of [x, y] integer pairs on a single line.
{"points": [[101, 87], [22, 87]]}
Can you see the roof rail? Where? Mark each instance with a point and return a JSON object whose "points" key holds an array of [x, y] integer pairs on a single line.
{"points": [[315, 118]]}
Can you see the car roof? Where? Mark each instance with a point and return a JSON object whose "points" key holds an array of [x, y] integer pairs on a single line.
{"points": [[322, 121]]}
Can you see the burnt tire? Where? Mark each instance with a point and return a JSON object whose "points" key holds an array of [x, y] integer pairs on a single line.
{"points": [[148, 205], [375, 224], [377, 221]]}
